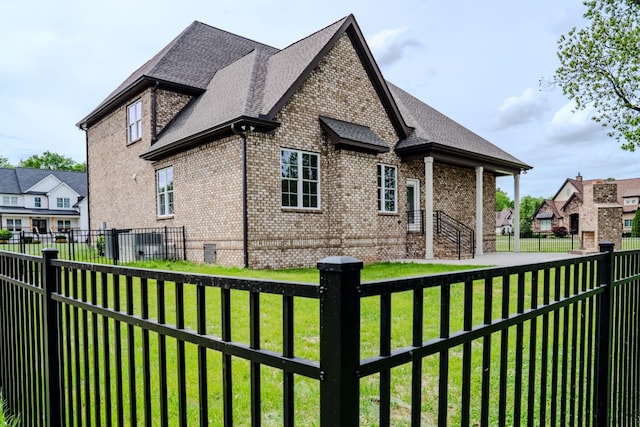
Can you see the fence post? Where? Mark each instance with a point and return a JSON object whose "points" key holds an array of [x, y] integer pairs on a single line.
{"points": [[115, 249], [339, 340], [50, 317], [602, 387]]}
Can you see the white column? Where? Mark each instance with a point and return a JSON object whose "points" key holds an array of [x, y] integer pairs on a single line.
{"points": [[428, 207], [479, 205], [516, 212]]}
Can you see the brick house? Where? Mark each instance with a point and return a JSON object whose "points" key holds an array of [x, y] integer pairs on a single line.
{"points": [[568, 206], [42, 201], [274, 158]]}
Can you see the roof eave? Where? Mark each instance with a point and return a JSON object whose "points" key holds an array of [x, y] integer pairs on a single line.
{"points": [[128, 92], [248, 124], [460, 157]]}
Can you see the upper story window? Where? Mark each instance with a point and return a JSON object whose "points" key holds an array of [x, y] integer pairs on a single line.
{"points": [[63, 202], [633, 201], [387, 189], [134, 121], [164, 191], [37, 202], [300, 179], [10, 200]]}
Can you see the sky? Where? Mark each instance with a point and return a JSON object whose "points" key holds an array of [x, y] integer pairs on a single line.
{"points": [[479, 63]]}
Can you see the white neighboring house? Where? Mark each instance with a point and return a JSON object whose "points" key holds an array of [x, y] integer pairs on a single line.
{"points": [[504, 221], [43, 201]]}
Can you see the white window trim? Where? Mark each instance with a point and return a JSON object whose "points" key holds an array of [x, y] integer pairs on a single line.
{"points": [[381, 189], [169, 207], [136, 124], [60, 203], [300, 180], [545, 225], [10, 200]]}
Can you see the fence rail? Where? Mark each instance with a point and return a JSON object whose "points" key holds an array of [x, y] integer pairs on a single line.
{"points": [[545, 344], [111, 246]]}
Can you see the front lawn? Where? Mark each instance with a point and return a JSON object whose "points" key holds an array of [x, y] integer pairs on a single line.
{"points": [[371, 272]]}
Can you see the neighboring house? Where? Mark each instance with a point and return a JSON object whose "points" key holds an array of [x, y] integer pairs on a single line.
{"points": [[565, 208], [43, 201], [504, 221], [274, 158]]}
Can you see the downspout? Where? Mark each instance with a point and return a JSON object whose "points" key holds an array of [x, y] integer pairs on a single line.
{"points": [[154, 119], [245, 220], [86, 163]]}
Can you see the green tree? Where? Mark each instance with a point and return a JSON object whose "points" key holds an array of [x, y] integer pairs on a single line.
{"points": [[502, 200], [528, 206], [635, 226], [600, 64], [53, 161], [4, 163]]}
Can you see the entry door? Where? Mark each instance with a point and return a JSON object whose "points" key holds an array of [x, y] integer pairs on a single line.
{"points": [[40, 226], [414, 217]]}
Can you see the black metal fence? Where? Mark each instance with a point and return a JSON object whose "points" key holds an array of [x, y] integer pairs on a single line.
{"points": [[111, 246], [543, 344], [548, 242]]}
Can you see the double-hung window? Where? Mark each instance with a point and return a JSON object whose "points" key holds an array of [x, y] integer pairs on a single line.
{"points": [[37, 202], [300, 179], [14, 224], [64, 225], [164, 179], [387, 189], [134, 121], [63, 202], [10, 200]]}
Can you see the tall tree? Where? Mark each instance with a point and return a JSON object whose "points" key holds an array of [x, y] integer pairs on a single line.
{"points": [[528, 206], [502, 200], [635, 225], [53, 161], [600, 64], [4, 163]]}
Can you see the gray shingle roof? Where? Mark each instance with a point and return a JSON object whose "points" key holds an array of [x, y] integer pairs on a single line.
{"points": [[353, 135], [190, 60], [19, 180], [433, 127], [239, 79]]}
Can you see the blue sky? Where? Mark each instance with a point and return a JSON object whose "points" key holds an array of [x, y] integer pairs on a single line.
{"points": [[480, 63]]}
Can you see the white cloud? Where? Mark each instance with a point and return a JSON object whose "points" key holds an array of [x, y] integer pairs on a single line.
{"points": [[389, 46], [569, 125], [521, 109]]}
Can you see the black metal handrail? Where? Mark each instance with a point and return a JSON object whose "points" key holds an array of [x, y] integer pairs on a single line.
{"points": [[415, 221], [455, 232]]}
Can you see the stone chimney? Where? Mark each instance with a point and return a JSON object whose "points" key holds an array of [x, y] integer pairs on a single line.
{"points": [[579, 177]]}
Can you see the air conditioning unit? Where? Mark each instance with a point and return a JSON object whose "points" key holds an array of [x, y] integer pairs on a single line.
{"points": [[140, 246]]}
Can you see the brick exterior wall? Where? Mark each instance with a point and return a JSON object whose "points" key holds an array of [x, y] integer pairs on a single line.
{"points": [[121, 184], [208, 180], [168, 103], [600, 216]]}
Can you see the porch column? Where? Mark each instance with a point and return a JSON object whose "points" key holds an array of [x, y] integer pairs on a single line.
{"points": [[428, 207], [516, 212], [479, 209]]}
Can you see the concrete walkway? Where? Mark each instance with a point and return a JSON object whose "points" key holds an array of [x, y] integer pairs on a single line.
{"points": [[502, 258]]}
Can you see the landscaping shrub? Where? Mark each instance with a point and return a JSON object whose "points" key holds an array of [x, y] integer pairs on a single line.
{"points": [[560, 231], [5, 235]]}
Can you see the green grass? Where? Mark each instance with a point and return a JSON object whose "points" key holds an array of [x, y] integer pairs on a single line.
{"points": [[7, 420], [370, 272]]}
